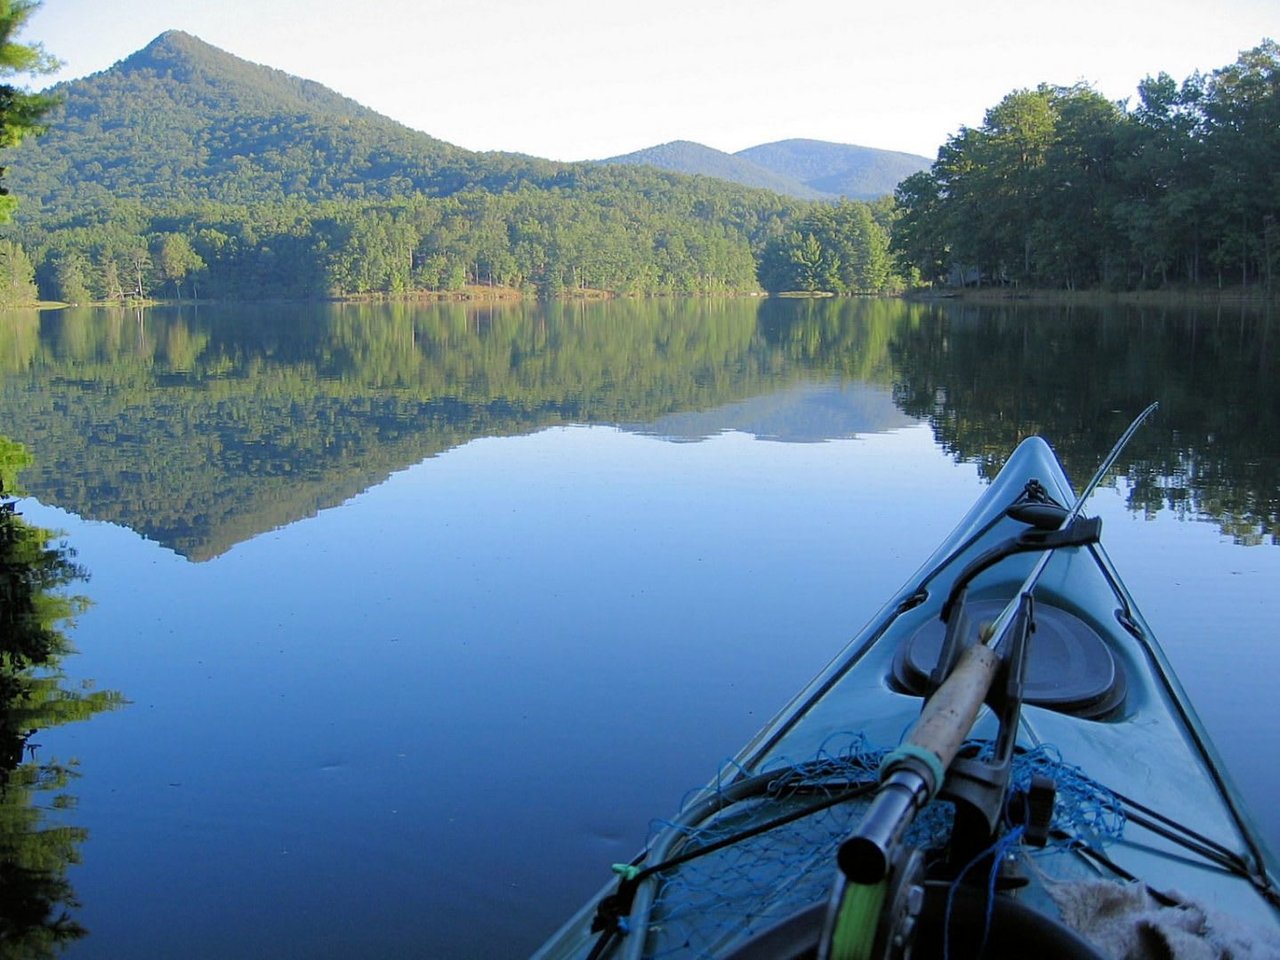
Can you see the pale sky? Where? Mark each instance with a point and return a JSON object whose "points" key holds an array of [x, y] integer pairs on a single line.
{"points": [[587, 79]]}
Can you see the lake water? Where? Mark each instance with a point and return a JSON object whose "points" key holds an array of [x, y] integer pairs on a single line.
{"points": [[423, 612]]}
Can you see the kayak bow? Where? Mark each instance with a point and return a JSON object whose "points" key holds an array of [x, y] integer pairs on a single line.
{"points": [[1084, 804]]}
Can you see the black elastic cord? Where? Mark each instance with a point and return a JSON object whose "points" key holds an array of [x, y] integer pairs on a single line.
{"points": [[856, 790], [611, 910]]}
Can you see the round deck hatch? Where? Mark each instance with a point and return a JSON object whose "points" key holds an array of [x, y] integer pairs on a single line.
{"points": [[1070, 668]]}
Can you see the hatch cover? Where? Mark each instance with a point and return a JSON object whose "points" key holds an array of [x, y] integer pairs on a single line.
{"points": [[1070, 668]]}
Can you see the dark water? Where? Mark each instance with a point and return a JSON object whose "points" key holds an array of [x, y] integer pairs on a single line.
{"points": [[424, 612]]}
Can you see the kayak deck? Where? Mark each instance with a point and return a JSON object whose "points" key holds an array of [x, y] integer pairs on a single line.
{"points": [[1139, 790]]}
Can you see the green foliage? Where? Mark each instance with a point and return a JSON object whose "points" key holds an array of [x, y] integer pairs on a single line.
{"points": [[1061, 188], [174, 258], [21, 112], [17, 275], [838, 248], [65, 276], [679, 237], [919, 242], [21, 58]]}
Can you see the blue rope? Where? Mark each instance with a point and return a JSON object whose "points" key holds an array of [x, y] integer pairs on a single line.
{"points": [[1082, 805], [997, 851]]}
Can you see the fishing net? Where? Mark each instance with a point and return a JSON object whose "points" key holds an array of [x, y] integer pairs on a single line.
{"points": [[770, 855]]}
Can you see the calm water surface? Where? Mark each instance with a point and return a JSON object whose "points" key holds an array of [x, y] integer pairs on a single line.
{"points": [[424, 612]]}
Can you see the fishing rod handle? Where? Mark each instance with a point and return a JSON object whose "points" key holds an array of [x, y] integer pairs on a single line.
{"points": [[913, 773], [948, 716]]}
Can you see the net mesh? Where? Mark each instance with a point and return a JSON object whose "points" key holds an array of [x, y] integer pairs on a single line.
{"points": [[712, 902]]}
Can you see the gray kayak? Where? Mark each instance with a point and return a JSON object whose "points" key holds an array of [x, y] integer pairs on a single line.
{"points": [[1084, 812]]}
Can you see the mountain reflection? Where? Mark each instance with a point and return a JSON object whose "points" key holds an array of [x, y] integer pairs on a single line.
{"points": [[200, 429], [37, 845]]}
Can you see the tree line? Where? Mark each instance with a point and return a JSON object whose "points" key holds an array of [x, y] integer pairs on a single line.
{"points": [[1060, 187], [532, 240]]}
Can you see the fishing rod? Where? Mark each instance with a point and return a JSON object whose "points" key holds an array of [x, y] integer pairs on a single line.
{"points": [[914, 772], [999, 628]]}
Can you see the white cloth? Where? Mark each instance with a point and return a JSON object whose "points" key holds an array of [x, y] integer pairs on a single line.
{"points": [[1126, 923]]}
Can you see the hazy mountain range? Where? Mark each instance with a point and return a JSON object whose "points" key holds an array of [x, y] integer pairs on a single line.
{"points": [[807, 169]]}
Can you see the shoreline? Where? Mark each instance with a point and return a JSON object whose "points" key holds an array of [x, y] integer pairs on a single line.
{"points": [[1182, 297]]}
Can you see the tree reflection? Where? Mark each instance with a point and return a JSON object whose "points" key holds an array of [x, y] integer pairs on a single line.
{"points": [[985, 377], [36, 844], [200, 429]]}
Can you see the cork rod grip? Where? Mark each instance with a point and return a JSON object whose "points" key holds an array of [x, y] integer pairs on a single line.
{"points": [[948, 716]]}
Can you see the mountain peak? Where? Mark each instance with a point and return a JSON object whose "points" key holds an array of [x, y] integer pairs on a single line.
{"points": [[183, 117], [173, 53], [839, 169], [198, 71], [177, 40]]}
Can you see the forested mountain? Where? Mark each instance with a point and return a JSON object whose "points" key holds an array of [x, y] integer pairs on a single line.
{"points": [[184, 172], [805, 169], [182, 121]]}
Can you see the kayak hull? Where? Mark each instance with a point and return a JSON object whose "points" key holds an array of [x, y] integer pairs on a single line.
{"points": [[1135, 737]]}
